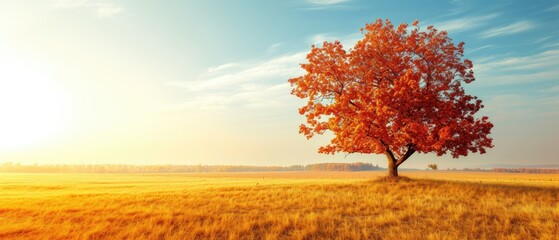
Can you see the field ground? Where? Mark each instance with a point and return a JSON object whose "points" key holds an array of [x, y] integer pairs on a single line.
{"points": [[279, 205]]}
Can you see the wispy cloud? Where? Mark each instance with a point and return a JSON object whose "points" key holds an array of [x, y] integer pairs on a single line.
{"points": [[551, 45], [480, 48], [348, 41], [250, 84], [508, 108], [517, 88], [513, 28], [260, 84], [543, 59], [553, 8], [105, 10], [320, 38], [554, 90], [464, 23], [326, 4], [220, 68], [274, 47], [539, 67], [100, 9]]}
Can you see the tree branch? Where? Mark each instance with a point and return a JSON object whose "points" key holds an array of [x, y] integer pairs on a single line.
{"points": [[390, 155], [408, 153], [352, 103]]}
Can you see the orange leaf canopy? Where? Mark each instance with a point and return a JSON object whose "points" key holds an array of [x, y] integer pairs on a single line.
{"points": [[396, 91]]}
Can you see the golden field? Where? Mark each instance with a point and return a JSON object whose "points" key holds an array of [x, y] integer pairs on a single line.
{"points": [[288, 205]]}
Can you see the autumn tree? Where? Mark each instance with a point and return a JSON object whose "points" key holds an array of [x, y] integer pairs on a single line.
{"points": [[397, 92], [433, 166]]}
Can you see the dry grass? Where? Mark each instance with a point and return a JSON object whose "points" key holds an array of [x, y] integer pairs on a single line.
{"points": [[279, 206]]}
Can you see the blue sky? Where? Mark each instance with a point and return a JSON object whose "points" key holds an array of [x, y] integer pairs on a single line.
{"points": [[205, 82]]}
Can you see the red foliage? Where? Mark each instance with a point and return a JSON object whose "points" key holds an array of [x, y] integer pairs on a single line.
{"points": [[396, 92]]}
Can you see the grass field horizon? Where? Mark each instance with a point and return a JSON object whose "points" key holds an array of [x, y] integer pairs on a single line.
{"points": [[279, 205]]}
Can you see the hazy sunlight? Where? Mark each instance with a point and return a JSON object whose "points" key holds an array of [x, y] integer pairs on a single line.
{"points": [[32, 107]]}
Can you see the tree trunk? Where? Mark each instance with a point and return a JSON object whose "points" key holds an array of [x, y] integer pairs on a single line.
{"points": [[392, 166], [392, 169], [394, 162]]}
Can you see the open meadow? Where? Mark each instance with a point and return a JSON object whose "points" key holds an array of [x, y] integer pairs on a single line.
{"points": [[279, 205]]}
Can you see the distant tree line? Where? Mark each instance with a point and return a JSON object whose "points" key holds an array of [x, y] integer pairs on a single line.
{"points": [[358, 166], [469, 169], [124, 168], [526, 170], [508, 170]]}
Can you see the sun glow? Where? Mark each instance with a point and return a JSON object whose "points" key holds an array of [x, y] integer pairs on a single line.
{"points": [[32, 109]]}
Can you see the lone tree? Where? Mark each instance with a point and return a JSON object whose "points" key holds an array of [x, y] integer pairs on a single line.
{"points": [[395, 93], [433, 166]]}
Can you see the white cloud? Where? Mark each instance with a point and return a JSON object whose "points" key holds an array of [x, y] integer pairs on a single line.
{"points": [[480, 48], [348, 41], [105, 10], [327, 2], [274, 47], [320, 38], [509, 108], [554, 90], [220, 68], [254, 85], [465, 23], [543, 39], [513, 28], [261, 84], [553, 8], [496, 70], [549, 58], [551, 45]]}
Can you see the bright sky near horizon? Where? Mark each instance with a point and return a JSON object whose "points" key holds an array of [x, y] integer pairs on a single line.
{"points": [[205, 82]]}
